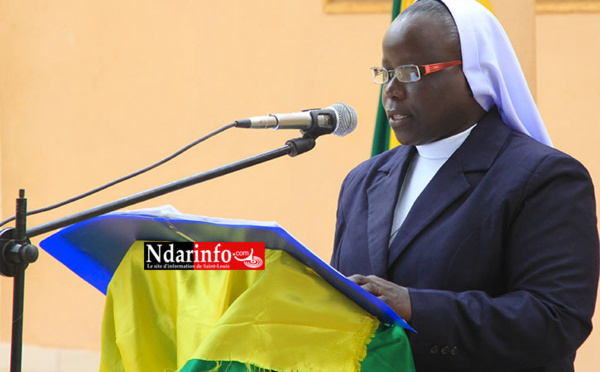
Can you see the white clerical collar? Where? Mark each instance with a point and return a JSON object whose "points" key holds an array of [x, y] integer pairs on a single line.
{"points": [[444, 148]]}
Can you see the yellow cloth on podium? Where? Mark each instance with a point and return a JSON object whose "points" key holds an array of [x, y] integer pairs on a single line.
{"points": [[285, 318]]}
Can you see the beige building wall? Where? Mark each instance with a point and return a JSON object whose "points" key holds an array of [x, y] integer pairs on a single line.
{"points": [[90, 91]]}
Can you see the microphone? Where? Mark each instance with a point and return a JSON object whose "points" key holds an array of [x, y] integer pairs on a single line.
{"points": [[339, 119]]}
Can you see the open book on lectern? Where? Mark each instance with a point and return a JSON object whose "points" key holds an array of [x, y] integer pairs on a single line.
{"points": [[93, 249]]}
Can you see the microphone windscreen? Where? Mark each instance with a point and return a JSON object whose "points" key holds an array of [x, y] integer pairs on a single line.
{"points": [[347, 119]]}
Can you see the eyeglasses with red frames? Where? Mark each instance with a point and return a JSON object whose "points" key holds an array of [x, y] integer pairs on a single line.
{"points": [[408, 73]]}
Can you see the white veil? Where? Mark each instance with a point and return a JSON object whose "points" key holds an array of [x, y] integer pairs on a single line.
{"points": [[493, 70]]}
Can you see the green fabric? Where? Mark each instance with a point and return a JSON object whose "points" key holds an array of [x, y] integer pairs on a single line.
{"points": [[197, 365], [388, 351], [381, 137]]}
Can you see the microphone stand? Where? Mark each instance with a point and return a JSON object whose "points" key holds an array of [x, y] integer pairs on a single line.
{"points": [[17, 252]]}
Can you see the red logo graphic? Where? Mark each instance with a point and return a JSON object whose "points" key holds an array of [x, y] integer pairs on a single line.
{"points": [[229, 256]]}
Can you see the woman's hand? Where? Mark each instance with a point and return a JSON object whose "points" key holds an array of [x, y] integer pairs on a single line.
{"points": [[397, 297]]}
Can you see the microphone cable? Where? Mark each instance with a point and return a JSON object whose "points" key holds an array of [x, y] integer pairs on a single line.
{"points": [[125, 178]]}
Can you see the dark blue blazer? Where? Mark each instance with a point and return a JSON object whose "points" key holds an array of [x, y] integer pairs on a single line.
{"points": [[499, 252]]}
